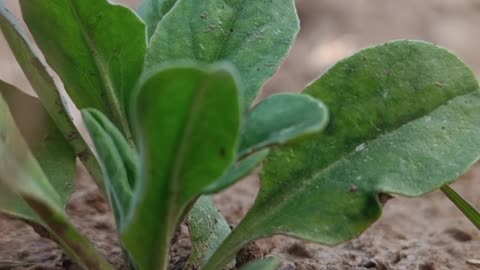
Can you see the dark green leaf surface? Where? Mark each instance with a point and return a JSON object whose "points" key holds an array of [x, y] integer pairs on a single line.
{"points": [[152, 11], [181, 152], [22, 175], [281, 118], [405, 120], [97, 48], [119, 162], [35, 69], [253, 35], [208, 228], [271, 263]]}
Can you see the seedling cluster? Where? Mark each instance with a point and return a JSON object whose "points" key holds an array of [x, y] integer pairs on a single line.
{"points": [[166, 95]]}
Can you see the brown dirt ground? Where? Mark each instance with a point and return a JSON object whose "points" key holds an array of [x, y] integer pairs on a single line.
{"points": [[426, 233]]}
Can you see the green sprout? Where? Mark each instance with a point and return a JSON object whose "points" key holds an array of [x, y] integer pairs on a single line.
{"points": [[166, 95]]}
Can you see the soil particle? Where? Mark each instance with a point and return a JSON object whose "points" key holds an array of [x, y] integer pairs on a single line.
{"points": [[68, 263], [250, 252], [383, 198], [426, 266], [374, 264], [180, 250], [472, 262], [459, 235], [298, 250]]}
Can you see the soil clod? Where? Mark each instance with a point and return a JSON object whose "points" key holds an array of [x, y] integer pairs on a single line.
{"points": [[298, 250], [249, 253], [375, 264], [459, 235], [473, 262], [426, 266]]}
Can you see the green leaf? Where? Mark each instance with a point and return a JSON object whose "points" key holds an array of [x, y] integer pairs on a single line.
{"points": [[35, 69], [181, 153], [253, 35], [97, 49], [208, 228], [237, 171], [48, 145], [405, 118], [119, 162], [467, 209], [281, 118], [271, 263], [22, 175], [152, 12]]}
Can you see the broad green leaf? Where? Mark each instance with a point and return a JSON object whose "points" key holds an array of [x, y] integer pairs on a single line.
{"points": [[405, 120], [253, 35], [208, 228], [22, 175], [48, 145], [237, 171], [152, 11], [97, 49], [271, 263], [35, 69], [119, 162], [463, 205], [181, 154], [281, 118]]}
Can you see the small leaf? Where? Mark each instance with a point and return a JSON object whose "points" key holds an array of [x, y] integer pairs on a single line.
{"points": [[405, 118], [97, 49], [253, 35], [237, 171], [152, 12], [181, 153], [49, 146], [208, 228], [467, 209], [281, 118], [119, 162], [35, 69], [271, 263], [22, 175]]}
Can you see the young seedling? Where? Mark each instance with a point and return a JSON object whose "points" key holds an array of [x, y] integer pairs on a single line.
{"points": [[166, 96]]}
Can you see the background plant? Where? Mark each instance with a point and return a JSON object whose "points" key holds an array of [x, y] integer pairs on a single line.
{"points": [[150, 98]]}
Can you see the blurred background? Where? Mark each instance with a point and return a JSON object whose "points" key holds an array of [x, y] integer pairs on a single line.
{"points": [[334, 29], [425, 233]]}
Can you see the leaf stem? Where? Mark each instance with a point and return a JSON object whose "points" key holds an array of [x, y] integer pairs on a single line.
{"points": [[229, 248], [467, 209], [73, 242]]}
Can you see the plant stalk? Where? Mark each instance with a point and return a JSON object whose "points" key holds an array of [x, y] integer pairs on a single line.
{"points": [[73, 242], [467, 209], [229, 248]]}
